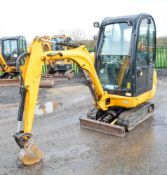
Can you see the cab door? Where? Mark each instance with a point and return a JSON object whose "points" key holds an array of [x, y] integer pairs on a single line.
{"points": [[22, 47], [151, 53], [142, 65]]}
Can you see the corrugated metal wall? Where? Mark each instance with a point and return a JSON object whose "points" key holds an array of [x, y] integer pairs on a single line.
{"points": [[161, 61], [74, 67], [161, 57], [44, 69]]}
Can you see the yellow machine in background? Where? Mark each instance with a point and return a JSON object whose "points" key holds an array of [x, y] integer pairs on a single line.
{"points": [[61, 67], [123, 80], [11, 48], [4, 67]]}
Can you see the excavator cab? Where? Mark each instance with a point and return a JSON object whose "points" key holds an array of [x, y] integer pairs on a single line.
{"points": [[60, 39], [125, 54], [62, 67], [12, 47]]}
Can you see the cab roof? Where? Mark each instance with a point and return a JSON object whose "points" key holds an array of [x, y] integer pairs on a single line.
{"points": [[11, 37], [133, 18]]}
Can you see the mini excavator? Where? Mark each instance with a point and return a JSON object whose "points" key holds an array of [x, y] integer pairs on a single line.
{"points": [[123, 79], [11, 48]]}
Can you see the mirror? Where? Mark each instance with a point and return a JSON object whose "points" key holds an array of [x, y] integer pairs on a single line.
{"points": [[96, 24], [95, 37]]}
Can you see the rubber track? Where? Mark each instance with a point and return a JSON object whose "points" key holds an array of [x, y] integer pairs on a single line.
{"points": [[133, 117]]}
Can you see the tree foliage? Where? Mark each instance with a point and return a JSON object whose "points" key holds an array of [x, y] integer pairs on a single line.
{"points": [[162, 41]]}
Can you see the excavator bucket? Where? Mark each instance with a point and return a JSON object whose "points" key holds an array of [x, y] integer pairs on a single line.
{"points": [[102, 127], [30, 154]]}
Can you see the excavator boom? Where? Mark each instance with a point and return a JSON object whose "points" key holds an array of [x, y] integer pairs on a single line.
{"points": [[29, 91]]}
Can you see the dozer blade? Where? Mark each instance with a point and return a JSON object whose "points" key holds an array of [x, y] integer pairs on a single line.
{"points": [[44, 83], [102, 127], [47, 83], [30, 154], [9, 82]]}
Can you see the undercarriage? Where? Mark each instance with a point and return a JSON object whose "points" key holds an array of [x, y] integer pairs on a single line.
{"points": [[116, 120]]}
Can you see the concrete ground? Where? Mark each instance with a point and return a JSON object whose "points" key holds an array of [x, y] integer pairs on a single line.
{"points": [[70, 150]]}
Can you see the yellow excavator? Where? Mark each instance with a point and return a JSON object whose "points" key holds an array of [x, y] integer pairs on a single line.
{"points": [[61, 68], [123, 79], [11, 48]]}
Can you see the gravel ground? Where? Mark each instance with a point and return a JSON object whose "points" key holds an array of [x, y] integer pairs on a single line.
{"points": [[70, 150]]}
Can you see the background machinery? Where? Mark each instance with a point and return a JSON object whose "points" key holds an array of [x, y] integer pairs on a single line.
{"points": [[61, 67], [11, 48], [123, 79]]}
